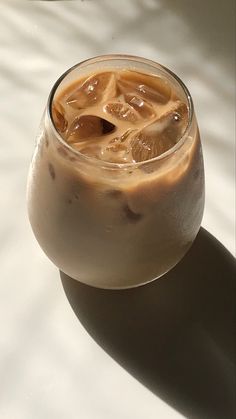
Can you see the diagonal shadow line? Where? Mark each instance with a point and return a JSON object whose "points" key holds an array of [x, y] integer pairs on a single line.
{"points": [[175, 335], [195, 18]]}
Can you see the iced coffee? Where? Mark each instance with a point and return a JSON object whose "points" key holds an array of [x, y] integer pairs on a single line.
{"points": [[116, 187]]}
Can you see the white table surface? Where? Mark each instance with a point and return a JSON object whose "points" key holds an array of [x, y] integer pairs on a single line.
{"points": [[50, 366]]}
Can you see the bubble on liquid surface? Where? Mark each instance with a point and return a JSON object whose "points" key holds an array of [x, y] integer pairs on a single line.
{"points": [[161, 135], [97, 88]]}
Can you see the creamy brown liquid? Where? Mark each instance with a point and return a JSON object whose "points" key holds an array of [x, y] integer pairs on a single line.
{"points": [[117, 226], [120, 116]]}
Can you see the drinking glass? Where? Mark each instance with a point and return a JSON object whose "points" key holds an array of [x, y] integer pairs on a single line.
{"points": [[114, 225]]}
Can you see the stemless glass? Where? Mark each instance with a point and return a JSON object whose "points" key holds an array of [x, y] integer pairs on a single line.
{"points": [[115, 225]]}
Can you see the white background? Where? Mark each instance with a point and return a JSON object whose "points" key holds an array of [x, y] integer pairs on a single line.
{"points": [[50, 367]]}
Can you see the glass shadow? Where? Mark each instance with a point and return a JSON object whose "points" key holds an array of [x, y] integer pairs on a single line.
{"points": [[176, 334]]}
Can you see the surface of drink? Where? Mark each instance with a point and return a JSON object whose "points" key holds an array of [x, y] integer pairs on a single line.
{"points": [[116, 187], [120, 116]]}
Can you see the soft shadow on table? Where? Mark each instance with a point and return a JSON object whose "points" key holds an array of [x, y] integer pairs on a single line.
{"points": [[174, 335]]}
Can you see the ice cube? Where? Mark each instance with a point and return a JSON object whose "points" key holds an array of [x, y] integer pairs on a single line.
{"points": [[58, 116], [118, 149], [87, 126], [150, 87], [114, 152], [98, 88], [115, 155], [90, 150], [161, 135], [172, 122], [144, 109], [122, 111]]}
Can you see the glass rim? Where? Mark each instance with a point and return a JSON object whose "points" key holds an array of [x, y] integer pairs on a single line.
{"points": [[129, 165]]}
